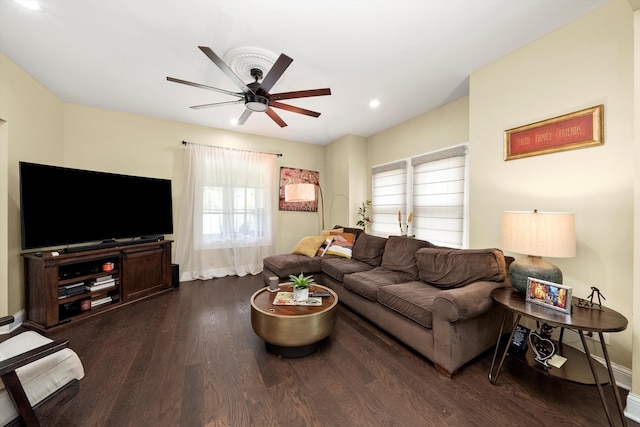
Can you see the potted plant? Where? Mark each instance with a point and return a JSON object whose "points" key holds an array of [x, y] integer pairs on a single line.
{"points": [[362, 215], [300, 285]]}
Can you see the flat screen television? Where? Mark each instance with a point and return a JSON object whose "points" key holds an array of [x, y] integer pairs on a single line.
{"points": [[63, 206]]}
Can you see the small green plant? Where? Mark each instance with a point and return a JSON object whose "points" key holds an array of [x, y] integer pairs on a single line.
{"points": [[362, 214], [301, 281]]}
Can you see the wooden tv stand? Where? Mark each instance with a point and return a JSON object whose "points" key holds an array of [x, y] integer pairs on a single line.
{"points": [[55, 282]]}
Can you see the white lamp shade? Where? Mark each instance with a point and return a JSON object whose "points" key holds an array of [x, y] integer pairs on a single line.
{"points": [[544, 234], [299, 192]]}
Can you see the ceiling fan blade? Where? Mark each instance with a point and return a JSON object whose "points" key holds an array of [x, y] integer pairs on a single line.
{"points": [[294, 109], [201, 86], [215, 104], [299, 94], [225, 68], [276, 118], [243, 118], [280, 66]]}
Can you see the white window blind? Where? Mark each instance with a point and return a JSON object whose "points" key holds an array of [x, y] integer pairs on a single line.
{"points": [[439, 197], [388, 196]]}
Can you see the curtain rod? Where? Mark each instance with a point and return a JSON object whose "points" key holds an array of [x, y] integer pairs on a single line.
{"points": [[236, 149]]}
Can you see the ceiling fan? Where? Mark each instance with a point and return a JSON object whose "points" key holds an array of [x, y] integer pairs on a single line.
{"points": [[255, 95]]}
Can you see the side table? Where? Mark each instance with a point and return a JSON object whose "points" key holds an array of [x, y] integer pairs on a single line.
{"points": [[581, 320]]}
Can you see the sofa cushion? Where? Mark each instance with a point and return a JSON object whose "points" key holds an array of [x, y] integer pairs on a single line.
{"points": [[451, 268], [369, 249], [336, 267], [285, 264], [342, 245], [367, 283], [413, 300], [400, 254], [324, 246], [308, 245]]}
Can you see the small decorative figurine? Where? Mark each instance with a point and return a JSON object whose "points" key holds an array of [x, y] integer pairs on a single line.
{"points": [[595, 293]]}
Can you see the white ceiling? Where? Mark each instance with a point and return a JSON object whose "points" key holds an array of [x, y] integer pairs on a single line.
{"points": [[412, 55]]}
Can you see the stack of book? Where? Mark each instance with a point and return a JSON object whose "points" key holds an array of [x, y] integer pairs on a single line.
{"points": [[73, 289], [102, 282], [100, 301]]}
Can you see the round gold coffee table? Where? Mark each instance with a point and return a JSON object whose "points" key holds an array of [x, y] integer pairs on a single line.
{"points": [[292, 330]]}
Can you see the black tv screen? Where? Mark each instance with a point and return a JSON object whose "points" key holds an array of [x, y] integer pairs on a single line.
{"points": [[63, 206]]}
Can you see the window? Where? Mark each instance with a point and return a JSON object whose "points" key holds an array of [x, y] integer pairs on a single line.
{"points": [[233, 203], [245, 219], [225, 213], [388, 196], [433, 187]]}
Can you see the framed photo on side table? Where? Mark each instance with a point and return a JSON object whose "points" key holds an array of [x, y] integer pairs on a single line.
{"points": [[549, 294]]}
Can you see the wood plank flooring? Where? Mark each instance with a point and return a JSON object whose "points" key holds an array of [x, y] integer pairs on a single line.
{"points": [[190, 358]]}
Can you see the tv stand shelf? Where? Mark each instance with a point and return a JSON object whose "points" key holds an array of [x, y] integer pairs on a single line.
{"points": [[56, 281]]}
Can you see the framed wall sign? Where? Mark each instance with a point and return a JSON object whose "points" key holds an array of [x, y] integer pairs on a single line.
{"points": [[297, 176], [549, 294], [580, 129]]}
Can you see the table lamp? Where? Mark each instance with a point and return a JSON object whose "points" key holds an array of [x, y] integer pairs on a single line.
{"points": [[537, 234], [303, 192]]}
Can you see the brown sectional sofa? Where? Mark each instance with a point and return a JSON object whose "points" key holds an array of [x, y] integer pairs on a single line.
{"points": [[434, 299]]}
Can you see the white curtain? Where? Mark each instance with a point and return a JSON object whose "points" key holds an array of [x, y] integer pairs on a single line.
{"points": [[226, 214]]}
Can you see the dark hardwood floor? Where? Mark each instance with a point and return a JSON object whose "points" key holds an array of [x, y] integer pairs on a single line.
{"points": [[190, 358]]}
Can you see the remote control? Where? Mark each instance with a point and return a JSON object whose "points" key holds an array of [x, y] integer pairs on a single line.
{"points": [[320, 294]]}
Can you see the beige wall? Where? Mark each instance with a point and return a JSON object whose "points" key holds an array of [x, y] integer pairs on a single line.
{"points": [[586, 63], [32, 131], [635, 320], [432, 131], [346, 177]]}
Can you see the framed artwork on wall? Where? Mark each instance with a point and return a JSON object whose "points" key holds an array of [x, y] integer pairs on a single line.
{"points": [[579, 129], [297, 176]]}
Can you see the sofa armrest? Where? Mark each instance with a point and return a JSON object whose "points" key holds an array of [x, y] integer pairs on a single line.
{"points": [[13, 363], [466, 302]]}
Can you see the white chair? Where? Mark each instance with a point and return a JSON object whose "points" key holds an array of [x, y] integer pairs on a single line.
{"points": [[38, 375]]}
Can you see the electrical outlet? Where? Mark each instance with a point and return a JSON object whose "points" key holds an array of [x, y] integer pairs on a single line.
{"points": [[596, 337]]}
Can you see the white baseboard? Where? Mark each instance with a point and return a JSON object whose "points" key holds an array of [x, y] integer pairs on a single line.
{"points": [[622, 374], [632, 411], [18, 318]]}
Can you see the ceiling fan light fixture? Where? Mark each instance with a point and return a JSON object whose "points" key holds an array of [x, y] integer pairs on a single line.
{"points": [[256, 103]]}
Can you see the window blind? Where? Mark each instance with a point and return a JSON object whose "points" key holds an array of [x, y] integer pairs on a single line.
{"points": [[388, 196], [439, 197]]}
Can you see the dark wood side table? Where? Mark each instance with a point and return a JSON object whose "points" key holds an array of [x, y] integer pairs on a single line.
{"points": [[581, 320]]}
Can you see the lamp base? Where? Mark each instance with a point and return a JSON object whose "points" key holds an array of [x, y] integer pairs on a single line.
{"points": [[532, 266]]}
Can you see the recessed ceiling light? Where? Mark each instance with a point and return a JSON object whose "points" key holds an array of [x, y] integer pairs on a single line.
{"points": [[233, 122], [30, 4], [374, 103]]}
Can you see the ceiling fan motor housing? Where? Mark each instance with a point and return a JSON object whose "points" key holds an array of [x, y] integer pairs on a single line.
{"points": [[257, 103]]}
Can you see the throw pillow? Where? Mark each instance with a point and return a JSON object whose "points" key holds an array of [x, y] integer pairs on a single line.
{"points": [[342, 245], [451, 268], [308, 245], [324, 246]]}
